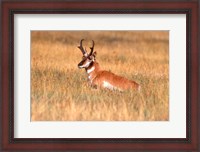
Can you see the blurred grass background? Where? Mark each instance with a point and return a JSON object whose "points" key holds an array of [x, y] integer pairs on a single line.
{"points": [[59, 90]]}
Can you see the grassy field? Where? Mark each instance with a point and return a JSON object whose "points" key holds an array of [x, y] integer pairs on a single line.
{"points": [[60, 91]]}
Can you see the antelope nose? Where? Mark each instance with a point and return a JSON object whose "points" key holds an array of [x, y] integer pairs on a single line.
{"points": [[79, 66]]}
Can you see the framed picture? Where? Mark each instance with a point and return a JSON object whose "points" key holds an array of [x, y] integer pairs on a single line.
{"points": [[100, 76]]}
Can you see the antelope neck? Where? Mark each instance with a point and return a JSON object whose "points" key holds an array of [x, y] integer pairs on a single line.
{"points": [[92, 71], [91, 68]]}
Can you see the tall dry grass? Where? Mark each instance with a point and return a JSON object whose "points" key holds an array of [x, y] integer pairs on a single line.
{"points": [[59, 90]]}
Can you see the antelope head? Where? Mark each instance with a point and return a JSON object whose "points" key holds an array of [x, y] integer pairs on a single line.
{"points": [[87, 59]]}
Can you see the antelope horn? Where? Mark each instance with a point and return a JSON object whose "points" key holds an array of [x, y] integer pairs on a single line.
{"points": [[81, 48], [92, 48]]}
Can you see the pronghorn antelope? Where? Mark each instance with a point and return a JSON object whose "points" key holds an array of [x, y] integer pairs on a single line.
{"points": [[101, 78]]}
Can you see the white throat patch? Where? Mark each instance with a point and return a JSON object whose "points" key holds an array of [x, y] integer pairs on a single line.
{"points": [[90, 70]]}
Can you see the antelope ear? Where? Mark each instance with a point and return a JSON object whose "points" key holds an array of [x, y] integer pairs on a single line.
{"points": [[94, 54], [92, 57]]}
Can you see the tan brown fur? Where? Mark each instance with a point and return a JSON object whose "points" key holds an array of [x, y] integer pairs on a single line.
{"points": [[99, 76]]}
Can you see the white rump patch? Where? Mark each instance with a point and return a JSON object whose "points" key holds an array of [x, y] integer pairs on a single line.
{"points": [[108, 85], [90, 70]]}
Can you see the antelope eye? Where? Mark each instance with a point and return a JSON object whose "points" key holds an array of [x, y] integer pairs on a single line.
{"points": [[90, 58]]}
